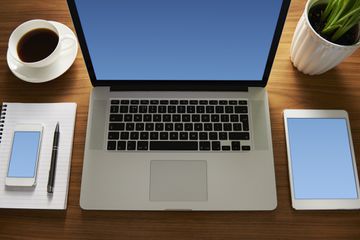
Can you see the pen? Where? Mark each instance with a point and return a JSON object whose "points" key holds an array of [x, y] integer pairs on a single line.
{"points": [[51, 181]]}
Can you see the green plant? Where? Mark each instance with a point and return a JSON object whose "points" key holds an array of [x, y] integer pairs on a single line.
{"points": [[339, 17]]}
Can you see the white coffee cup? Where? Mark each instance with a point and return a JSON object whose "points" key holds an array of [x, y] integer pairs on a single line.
{"points": [[66, 41]]}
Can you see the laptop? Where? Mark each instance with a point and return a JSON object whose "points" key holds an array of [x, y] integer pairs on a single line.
{"points": [[178, 115]]}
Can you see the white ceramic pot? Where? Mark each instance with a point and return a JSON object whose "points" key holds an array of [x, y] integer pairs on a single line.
{"points": [[311, 53]]}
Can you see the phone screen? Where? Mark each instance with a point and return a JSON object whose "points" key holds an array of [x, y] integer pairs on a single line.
{"points": [[321, 159], [24, 154]]}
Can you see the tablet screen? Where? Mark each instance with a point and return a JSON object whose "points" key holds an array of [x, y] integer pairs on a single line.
{"points": [[321, 159]]}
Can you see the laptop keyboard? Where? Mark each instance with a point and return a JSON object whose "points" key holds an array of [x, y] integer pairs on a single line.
{"points": [[178, 124]]}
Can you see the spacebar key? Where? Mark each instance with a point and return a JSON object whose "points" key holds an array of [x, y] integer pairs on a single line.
{"points": [[173, 145]]}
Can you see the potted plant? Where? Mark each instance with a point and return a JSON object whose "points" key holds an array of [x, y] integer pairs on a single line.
{"points": [[326, 34]]}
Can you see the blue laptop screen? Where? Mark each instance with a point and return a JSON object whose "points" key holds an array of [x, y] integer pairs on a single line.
{"points": [[179, 39]]}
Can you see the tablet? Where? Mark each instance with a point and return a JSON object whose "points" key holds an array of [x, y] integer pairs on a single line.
{"points": [[322, 165]]}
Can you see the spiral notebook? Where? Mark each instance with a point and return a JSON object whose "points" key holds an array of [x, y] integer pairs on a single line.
{"points": [[47, 114]]}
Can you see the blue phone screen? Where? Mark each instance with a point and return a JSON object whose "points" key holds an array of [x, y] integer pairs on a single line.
{"points": [[321, 159], [24, 154]]}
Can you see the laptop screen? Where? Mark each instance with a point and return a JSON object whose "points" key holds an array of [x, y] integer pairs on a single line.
{"points": [[220, 40]]}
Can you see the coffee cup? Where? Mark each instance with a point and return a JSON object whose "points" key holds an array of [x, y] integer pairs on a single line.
{"points": [[35, 32]]}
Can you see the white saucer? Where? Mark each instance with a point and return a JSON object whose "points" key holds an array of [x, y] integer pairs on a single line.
{"points": [[54, 70]]}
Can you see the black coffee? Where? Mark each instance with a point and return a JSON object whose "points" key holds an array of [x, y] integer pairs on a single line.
{"points": [[37, 45]]}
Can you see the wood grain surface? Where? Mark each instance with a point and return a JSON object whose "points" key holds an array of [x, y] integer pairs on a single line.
{"points": [[337, 89]]}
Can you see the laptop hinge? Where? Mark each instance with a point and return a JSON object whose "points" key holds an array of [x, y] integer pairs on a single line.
{"points": [[192, 88]]}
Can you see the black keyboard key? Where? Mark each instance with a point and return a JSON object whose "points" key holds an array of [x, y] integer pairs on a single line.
{"points": [[133, 109], [184, 136], [235, 145], [244, 118], [128, 118], [242, 102], [149, 126], [179, 127], [241, 109], [219, 109], [203, 136], [195, 118], [245, 148], [174, 136], [134, 135], [225, 118], [234, 118], [114, 109], [227, 127], [157, 118], [176, 118], [239, 136], [152, 109], [223, 102], [130, 126], [164, 136], [205, 118], [215, 145], [143, 109], [210, 109], [116, 126], [194, 102], [131, 145], [200, 109], [137, 118], [198, 126], [166, 118], [161, 109], [217, 127], [164, 102], [223, 136], [226, 148], [184, 102], [203, 102], [124, 135], [171, 109], [142, 145], [232, 102], [229, 109], [115, 102], [159, 126], [154, 135], [144, 135], [188, 126], [124, 109], [154, 102], [135, 102], [113, 135], [147, 117], [213, 136], [116, 117], [169, 127], [121, 145], [111, 145], [174, 102], [215, 118], [213, 102], [208, 127], [174, 145], [245, 126], [204, 146], [144, 102], [139, 127], [237, 127], [193, 136], [190, 109], [181, 109], [186, 118], [124, 102]]}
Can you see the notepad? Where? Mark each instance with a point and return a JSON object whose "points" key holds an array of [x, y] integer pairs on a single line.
{"points": [[47, 114]]}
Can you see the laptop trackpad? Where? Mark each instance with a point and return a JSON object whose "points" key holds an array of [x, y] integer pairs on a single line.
{"points": [[177, 180]]}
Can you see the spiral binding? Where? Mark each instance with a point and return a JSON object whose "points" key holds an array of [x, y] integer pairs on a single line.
{"points": [[2, 119]]}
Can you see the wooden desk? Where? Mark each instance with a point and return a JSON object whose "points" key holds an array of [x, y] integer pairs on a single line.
{"points": [[337, 89]]}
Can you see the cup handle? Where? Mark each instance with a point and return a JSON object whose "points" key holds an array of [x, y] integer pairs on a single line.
{"points": [[66, 46]]}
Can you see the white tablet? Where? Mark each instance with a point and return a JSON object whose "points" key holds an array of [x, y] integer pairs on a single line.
{"points": [[322, 165]]}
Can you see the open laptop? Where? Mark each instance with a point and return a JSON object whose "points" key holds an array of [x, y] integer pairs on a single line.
{"points": [[178, 116]]}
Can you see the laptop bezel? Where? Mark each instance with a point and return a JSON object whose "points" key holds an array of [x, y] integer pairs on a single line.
{"points": [[207, 85]]}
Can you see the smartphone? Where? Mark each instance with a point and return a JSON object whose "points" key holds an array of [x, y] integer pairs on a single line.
{"points": [[24, 155]]}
